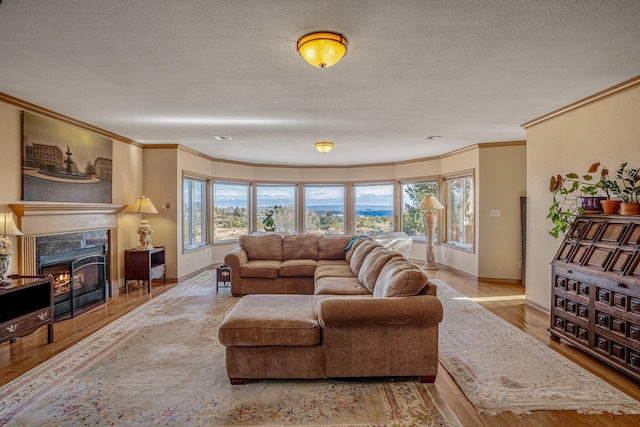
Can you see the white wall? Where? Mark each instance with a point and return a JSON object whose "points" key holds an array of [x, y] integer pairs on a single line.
{"points": [[607, 131], [466, 262], [503, 181]]}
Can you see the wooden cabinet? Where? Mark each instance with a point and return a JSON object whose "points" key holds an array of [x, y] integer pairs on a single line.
{"points": [[596, 290], [26, 305], [144, 265]]}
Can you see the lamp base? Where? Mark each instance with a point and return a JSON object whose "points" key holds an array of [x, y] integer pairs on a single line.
{"points": [[144, 233], [4, 268], [427, 266]]}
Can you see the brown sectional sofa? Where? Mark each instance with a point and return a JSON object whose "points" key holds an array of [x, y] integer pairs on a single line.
{"points": [[331, 312]]}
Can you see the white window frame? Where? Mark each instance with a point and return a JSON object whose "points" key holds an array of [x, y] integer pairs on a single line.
{"points": [[460, 204], [248, 208], [355, 188], [306, 211], [188, 229], [296, 208], [420, 214]]}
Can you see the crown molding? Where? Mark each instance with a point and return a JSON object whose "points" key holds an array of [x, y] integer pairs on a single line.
{"points": [[614, 90], [36, 109]]}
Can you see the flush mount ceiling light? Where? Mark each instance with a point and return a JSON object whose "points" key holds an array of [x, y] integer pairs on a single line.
{"points": [[323, 49], [324, 146]]}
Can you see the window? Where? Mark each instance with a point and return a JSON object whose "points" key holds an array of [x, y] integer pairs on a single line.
{"points": [[324, 209], [413, 218], [230, 210], [373, 208], [460, 211], [194, 221], [276, 208]]}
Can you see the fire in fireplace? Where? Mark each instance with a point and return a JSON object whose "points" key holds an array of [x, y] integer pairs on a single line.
{"points": [[79, 280]]}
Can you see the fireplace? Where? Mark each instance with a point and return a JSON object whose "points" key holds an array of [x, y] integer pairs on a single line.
{"points": [[80, 278]]}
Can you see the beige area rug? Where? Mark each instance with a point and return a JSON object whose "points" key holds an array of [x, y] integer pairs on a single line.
{"points": [[162, 365], [501, 368]]}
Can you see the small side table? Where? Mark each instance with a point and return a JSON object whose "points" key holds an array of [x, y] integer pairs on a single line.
{"points": [[144, 265], [223, 277]]}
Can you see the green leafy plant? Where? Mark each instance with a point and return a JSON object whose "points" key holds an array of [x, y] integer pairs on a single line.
{"points": [[629, 191], [567, 191], [267, 222]]}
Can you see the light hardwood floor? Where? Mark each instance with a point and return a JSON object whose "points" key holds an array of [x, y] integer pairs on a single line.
{"points": [[17, 358]]}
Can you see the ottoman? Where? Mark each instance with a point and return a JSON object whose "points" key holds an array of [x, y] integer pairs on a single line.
{"points": [[273, 336]]}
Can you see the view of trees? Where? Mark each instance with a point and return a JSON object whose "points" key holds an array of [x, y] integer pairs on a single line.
{"points": [[232, 222], [324, 222], [412, 218], [229, 223]]}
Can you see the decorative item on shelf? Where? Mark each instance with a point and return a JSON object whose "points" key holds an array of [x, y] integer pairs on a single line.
{"points": [[574, 195], [629, 191], [144, 206], [430, 204], [322, 49], [324, 146], [9, 228]]}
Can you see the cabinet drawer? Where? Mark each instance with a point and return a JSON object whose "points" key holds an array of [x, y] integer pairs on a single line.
{"points": [[24, 323]]}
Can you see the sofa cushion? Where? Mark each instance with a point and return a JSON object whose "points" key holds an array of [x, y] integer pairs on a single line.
{"points": [[332, 270], [356, 242], [339, 286], [266, 269], [371, 267], [399, 278], [271, 320], [298, 268], [360, 254], [332, 247], [268, 246], [300, 246]]}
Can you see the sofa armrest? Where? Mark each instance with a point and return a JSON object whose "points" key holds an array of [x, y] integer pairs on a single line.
{"points": [[423, 309], [234, 260]]}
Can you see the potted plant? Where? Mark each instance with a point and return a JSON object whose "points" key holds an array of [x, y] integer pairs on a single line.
{"points": [[574, 195], [609, 205], [629, 190]]}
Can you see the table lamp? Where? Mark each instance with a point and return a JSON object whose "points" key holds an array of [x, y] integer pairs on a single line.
{"points": [[8, 227], [144, 206]]}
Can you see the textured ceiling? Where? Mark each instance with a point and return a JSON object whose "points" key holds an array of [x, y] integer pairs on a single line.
{"points": [[160, 71]]}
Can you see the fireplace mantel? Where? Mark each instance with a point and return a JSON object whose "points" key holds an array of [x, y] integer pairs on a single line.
{"points": [[43, 218], [47, 218]]}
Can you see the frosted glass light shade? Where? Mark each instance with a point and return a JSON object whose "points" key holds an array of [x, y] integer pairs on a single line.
{"points": [[324, 146], [322, 50]]}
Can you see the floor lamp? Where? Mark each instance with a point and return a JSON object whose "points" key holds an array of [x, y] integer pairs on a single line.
{"points": [[430, 204]]}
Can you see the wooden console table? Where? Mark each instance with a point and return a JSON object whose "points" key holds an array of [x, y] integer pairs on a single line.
{"points": [[144, 265], [26, 305]]}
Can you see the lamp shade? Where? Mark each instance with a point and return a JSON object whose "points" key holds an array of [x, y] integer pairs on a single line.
{"points": [[429, 202], [8, 225], [324, 146], [144, 206], [323, 49]]}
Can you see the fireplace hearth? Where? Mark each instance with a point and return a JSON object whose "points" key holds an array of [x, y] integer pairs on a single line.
{"points": [[80, 282]]}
